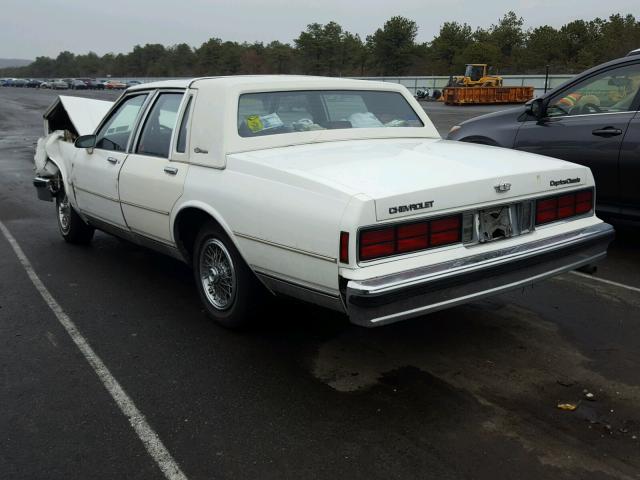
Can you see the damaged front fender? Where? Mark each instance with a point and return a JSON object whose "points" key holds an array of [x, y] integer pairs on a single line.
{"points": [[44, 167], [65, 120]]}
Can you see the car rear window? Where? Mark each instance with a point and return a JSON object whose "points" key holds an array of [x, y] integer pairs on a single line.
{"points": [[272, 113]]}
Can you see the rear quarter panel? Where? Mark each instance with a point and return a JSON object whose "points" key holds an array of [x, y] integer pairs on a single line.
{"points": [[281, 226]]}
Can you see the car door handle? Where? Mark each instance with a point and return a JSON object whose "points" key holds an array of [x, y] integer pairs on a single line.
{"points": [[170, 170], [112, 160], [607, 132]]}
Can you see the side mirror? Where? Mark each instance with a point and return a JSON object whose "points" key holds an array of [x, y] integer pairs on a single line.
{"points": [[535, 108], [85, 141]]}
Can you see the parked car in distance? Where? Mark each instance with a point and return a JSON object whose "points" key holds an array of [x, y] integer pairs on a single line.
{"points": [[592, 119], [33, 83], [132, 83], [19, 82], [59, 85], [78, 85], [46, 84], [339, 192], [94, 84], [115, 85]]}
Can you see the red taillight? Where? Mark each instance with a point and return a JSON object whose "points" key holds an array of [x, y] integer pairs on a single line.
{"points": [[563, 206], [344, 247], [371, 237], [445, 231], [376, 251], [445, 238], [584, 201], [443, 224], [566, 206], [377, 243], [412, 237], [409, 237]]}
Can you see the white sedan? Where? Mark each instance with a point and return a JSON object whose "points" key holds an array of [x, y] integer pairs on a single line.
{"points": [[338, 192]]}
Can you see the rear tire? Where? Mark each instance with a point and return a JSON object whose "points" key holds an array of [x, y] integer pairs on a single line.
{"points": [[71, 226], [229, 291]]}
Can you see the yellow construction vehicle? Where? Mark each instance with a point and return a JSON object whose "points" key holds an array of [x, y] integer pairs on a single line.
{"points": [[476, 75], [478, 87]]}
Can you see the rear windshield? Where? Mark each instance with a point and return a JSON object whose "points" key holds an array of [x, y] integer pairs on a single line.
{"points": [[271, 113]]}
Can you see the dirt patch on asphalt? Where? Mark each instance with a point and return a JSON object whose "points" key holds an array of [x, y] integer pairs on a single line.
{"points": [[517, 364]]}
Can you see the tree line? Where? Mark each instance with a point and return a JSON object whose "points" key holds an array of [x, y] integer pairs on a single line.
{"points": [[392, 49]]}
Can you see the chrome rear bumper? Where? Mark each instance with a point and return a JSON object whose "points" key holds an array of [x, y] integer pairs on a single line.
{"points": [[382, 300]]}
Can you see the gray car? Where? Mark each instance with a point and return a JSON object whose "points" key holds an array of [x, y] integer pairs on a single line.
{"points": [[592, 119], [59, 85]]}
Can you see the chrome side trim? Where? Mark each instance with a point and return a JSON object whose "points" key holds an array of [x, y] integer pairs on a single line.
{"points": [[159, 247], [151, 237], [99, 222], [286, 247], [204, 165], [134, 237], [557, 117], [280, 285], [106, 197], [136, 205]]}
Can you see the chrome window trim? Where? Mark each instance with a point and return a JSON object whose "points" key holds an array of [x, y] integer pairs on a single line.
{"points": [[558, 117]]}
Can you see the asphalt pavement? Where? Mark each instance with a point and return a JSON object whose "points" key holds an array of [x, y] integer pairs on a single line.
{"points": [[466, 393]]}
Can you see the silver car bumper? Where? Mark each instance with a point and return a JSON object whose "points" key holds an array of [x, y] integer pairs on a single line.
{"points": [[382, 300]]}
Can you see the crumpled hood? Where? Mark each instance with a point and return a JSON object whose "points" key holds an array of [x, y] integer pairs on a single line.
{"points": [[398, 172], [84, 113]]}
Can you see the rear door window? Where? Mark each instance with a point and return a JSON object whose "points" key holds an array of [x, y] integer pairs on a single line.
{"points": [[155, 138]]}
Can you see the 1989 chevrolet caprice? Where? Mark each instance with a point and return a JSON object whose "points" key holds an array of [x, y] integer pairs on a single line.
{"points": [[339, 192]]}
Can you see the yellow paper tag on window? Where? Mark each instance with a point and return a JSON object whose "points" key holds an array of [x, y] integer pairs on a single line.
{"points": [[254, 123]]}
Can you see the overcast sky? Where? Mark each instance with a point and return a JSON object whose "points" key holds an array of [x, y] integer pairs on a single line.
{"points": [[29, 28]]}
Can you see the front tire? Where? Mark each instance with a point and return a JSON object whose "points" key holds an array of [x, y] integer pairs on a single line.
{"points": [[71, 226], [228, 289]]}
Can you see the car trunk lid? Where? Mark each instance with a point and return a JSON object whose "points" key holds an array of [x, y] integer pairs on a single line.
{"points": [[409, 177]]}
